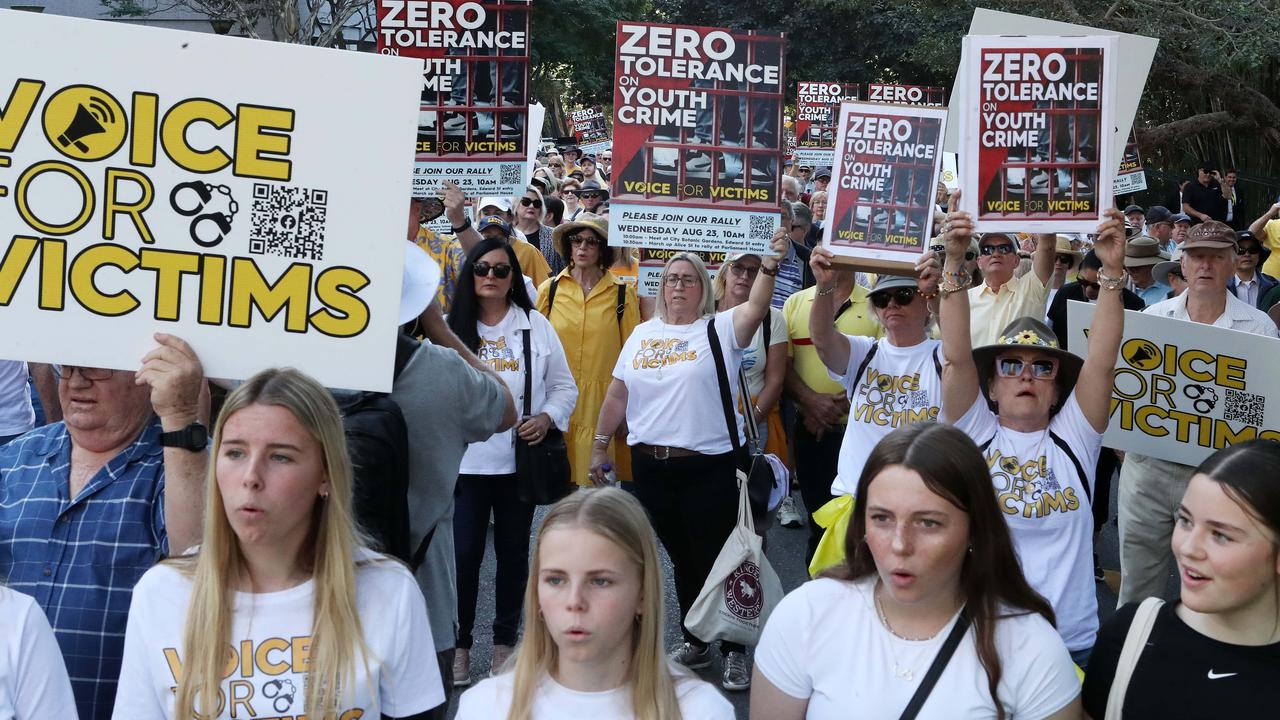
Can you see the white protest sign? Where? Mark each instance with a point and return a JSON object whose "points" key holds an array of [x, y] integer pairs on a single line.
{"points": [[1134, 55], [204, 186], [1185, 389]]}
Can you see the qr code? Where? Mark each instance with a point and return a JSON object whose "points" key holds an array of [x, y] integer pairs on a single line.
{"points": [[511, 174], [288, 221], [1245, 408], [762, 227], [919, 398]]}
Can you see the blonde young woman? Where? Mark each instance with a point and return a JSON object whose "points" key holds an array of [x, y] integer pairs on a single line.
{"points": [[594, 616], [282, 611]]}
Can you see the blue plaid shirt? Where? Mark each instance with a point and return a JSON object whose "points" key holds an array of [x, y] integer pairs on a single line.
{"points": [[81, 558]]}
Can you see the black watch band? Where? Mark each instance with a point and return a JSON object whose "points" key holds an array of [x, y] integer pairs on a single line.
{"points": [[193, 437], [466, 223]]}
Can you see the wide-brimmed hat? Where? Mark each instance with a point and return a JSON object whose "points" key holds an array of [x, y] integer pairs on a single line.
{"points": [[419, 284], [1064, 247], [1027, 333], [1210, 234], [1160, 271], [593, 185], [1143, 251], [591, 221]]}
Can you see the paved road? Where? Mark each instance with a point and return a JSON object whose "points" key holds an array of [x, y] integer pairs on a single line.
{"points": [[786, 553]]}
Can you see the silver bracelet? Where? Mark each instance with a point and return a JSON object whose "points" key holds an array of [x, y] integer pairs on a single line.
{"points": [[603, 439]]}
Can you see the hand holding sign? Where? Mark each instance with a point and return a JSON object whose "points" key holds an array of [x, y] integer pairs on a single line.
{"points": [[778, 244], [820, 262], [957, 233], [1109, 243], [176, 378], [928, 272]]}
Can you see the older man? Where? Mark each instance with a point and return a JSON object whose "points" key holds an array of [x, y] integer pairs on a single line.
{"points": [[1002, 298], [1150, 488], [89, 504]]}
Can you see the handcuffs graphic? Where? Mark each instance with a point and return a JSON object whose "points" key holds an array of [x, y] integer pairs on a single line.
{"points": [[1203, 397], [280, 691], [203, 194]]}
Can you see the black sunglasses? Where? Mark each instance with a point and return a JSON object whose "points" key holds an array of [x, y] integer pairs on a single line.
{"points": [[903, 296], [530, 202], [589, 195], [1088, 285], [1065, 259], [1001, 249], [574, 193], [482, 269], [1250, 250]]}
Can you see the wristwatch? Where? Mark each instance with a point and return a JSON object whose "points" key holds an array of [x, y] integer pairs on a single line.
{"points": [[193, 437], [466, 223]]}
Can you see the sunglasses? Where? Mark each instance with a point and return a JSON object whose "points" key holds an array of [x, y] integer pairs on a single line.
{"points": [[903, 296], [744, 270], [574, 193], [1002, 249], [1065, 259], [1009, 367], [606, 158], [590, 195], [530, 202], [1250, 250], [588, 240], [1088, 285], [481, 269], [559, 165]]}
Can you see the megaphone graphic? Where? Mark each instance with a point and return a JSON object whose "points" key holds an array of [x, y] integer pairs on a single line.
{"points": [[82, 125]]}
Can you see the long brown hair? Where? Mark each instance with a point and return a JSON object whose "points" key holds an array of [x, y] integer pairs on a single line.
{"points": [[991, 579]]}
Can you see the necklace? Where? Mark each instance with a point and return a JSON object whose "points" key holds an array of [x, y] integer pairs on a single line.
{"points": [[904, 673]]}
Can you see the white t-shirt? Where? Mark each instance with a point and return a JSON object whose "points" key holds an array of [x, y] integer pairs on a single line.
{"points": [[900, 385], [491, 700], [825, 642], [16, 414], [673, 396], [554, 390], [271, 635], [33, 679], [1048, 510], [756, 350]]}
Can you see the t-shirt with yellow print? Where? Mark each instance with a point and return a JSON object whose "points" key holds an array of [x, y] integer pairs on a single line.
{"points": [[856, 319]]}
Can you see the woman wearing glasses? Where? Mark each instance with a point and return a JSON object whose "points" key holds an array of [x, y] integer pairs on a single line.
{"points": [[569, 192], [593, 311], [530, 209], [1038, 413], [494, 317], [665, 386]]}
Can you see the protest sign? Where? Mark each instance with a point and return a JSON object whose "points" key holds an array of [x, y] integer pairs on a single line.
{"points": [[1033, 132], [652, 260], [474, 86], [880, 208], [696, 137], [588, 125], [906, 94], [950, 176], [1185, 389], [1130, 177], [817, 112], [1134, 54], [242, 209], [595, 148]]}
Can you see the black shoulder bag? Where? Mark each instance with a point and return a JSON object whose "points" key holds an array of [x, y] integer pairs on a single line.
{"points": [[542, 470], [751, 462], [939, 664]]}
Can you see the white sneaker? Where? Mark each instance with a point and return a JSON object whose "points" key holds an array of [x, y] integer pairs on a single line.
{"points": [[737, 676], [788, 515]]}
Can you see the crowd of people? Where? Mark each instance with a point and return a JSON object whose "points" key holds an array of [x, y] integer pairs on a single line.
{"points": [[150, 568]]}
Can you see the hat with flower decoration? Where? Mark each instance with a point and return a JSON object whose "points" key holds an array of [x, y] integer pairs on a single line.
{"points": [[1027, 333]]}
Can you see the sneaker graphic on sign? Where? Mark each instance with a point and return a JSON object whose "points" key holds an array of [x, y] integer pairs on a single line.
{"points": [[742, 592]]}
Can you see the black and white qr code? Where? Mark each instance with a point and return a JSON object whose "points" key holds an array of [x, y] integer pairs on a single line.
{"points": [[511, 174], [288, 221], [762, 227], [1245, 408]]}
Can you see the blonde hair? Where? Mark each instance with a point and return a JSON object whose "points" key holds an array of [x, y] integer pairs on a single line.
{"points": [[531, 188], [617, 517], [700, 269], [336, 632], [719, 283]]}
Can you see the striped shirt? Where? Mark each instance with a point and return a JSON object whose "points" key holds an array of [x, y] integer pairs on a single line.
{"points": [[80, 558]]}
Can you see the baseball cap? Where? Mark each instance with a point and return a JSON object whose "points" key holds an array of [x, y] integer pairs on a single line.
{"points": [[1134, 209], [489, 221], [1157, 214], [735, 257], [1210, 234], [1179, 217], [823, 172], [502, 203]]}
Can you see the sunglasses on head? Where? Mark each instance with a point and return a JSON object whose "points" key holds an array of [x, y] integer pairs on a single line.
{"points": [[530, 202], [482, 269], [903, 296], [1001, 249], [1011, 367], [584, 239]]}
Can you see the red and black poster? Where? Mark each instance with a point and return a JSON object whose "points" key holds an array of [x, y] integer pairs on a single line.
{"points": [[475, 78], [588, 125], [817, 112], [697, 133], [1036, 127], [906, 94]]}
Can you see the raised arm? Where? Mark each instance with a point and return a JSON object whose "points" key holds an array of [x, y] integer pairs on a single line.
{"points": [[832, 347], [1256, 227], [748, 315], [177, 383], [455, 210], [1042, 258], [959, 374], [1093, 389]]}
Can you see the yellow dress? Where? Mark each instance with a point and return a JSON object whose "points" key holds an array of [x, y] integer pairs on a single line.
{"points": [[592, 337]]}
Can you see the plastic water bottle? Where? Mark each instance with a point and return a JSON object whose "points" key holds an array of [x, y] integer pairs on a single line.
{"points": [[610, 477]]}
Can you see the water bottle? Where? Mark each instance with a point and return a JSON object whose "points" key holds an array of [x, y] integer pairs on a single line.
{"points": [[610, 477]]}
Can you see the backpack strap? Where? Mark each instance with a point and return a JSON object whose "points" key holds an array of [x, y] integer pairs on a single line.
{"points": [[528, 375], [1144, 619], [722, 375], [768, 329], [406, 346], [622, 302], [937, 361], [866, 360], [551, 294], [421, 553], [937, 666], [1075, 461], [843, 306], [983, 447]]}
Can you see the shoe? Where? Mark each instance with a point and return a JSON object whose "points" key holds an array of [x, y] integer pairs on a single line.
{"points": [[461, 667], [788, 515], [455, 123], [500, 655], [736, 675], [688, 655], [699, 164]]}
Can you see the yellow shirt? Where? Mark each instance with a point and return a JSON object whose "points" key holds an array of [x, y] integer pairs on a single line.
{"points": [[531, 261], [1271, 239], [991, 312], [857, 320], [447, 252]]}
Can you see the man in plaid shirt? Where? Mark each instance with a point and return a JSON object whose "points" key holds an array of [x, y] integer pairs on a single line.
{"points": [[88, 504]]}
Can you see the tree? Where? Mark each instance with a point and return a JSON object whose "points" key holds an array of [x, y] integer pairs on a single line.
{"points": [[306, 22]]}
